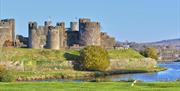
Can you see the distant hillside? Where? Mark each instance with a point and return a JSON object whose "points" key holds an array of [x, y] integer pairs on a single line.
{"points": [[172, 42], [140, 46]]}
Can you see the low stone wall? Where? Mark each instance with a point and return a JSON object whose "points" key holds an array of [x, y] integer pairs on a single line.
{"points": [[132, 63], [13, 65]]}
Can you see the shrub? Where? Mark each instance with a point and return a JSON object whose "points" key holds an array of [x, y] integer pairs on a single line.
{"points": [[6, 75], [94, 58], [150, 52]]}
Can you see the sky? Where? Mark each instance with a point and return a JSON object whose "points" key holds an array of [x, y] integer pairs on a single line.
{"points": [[126, 20]]}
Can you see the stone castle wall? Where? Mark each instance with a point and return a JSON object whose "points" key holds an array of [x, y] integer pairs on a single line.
{"points": [[47, 36], [72, 38], [82, 33], [88, 34], [62, 35], [7, 31], [107, 41]]}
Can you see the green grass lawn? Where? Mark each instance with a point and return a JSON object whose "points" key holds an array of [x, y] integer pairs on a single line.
{"points": [[127, 53], [89, 86]]}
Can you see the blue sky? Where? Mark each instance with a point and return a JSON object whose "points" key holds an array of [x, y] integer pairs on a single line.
{"points": [[132, 20]]}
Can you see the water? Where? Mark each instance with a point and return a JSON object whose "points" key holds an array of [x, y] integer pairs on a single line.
{"points": [[172, 74]]}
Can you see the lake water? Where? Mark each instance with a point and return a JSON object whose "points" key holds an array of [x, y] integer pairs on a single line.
{"points": [[172, 74]]}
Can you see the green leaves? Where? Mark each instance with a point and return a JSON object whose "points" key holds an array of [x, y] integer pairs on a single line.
{"points": [[150, 52], [94, 58]]}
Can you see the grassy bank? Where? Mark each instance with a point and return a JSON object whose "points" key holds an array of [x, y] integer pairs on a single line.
{"points": [[50, 75], [89, 86], [130, 61], [39, 64]]}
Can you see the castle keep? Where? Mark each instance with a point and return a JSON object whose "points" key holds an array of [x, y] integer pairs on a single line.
{"points": [[80, 34]]}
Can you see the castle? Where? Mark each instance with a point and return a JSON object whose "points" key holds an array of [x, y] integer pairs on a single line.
{"points": [[80, 34]]}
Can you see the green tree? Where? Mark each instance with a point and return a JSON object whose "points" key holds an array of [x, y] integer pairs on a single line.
{"points": [[150, 52], [94, 58]]}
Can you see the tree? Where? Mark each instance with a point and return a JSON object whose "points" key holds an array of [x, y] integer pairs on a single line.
{"points": [[150, 52], [94, 58]]}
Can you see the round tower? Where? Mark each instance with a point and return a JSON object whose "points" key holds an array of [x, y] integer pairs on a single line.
{"points": [[53, 37], [12, 24], [33, 41], [90, 34]]}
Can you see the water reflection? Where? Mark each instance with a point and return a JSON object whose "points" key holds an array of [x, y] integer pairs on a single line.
{"points": [[172, 74]]}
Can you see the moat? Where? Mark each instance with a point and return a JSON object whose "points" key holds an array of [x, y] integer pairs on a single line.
{"points": [[172, 74]]}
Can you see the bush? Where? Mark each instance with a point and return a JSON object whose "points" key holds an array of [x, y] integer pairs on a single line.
{"points": [[6, 75], [94, 58], [150, 52]]}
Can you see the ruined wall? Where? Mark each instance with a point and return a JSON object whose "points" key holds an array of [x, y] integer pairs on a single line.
{"points": [[7, 31], [90, 34], [107, 41], [21, 41]]}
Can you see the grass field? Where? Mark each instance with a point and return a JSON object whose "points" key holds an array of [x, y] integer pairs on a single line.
{"points": [[89, 86]]}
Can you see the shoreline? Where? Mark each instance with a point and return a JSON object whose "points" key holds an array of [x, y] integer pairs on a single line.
{"points": [[84, 77], [174, 60]]}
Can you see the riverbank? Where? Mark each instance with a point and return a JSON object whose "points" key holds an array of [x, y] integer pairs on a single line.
{"points": [[172, 60], [89, 86], [76, 75], [177, 60]]}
